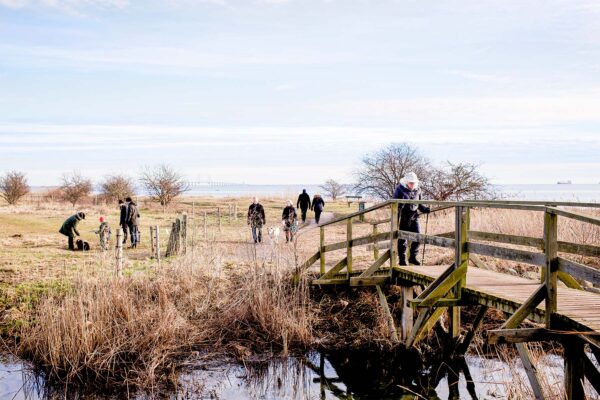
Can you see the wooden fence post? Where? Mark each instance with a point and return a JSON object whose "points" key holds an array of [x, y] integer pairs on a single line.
{"points": [[551, 267], [375, 248], [152, 251], [235, 212], [393, 232], [119, 252], [157, 243], [349, 245], [462, 222], [322, 251], [184, 233]]}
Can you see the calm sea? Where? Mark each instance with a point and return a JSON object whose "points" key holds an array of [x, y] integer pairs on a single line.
{"points": [[556, 192]]}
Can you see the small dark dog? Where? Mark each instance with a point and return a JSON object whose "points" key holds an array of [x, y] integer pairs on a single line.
{"points": [[81, 245]]}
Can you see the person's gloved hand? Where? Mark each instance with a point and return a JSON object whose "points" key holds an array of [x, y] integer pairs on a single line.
{"points": [[426, 210]]}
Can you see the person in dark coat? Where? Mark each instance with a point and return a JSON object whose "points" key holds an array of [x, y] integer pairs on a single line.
{"points": [[132, 222], [288, 219], [69, 228], [123, 219], [409, 215], [303, 204], [317, 206], [256, 219]]}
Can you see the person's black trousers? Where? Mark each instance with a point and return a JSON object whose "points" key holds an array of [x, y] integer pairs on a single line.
{"points": [[125, 230], [303, 212], [70, 242], [410, 226], [317, 216]]}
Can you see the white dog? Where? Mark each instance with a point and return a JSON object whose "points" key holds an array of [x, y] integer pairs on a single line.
{"points": [[274, 235]]}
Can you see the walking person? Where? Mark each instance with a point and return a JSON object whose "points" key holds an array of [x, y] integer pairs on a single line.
{"points": [[256, 219], [288, 218], [303, 204], [123, 219], [408, 189], [133, 214], [69, 228], [317, 206]]}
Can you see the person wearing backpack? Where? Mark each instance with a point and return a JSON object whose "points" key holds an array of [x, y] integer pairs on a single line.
{"points": [[133, 215]]}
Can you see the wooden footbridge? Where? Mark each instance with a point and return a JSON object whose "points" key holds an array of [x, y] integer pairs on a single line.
{"points": [[564, 302]]}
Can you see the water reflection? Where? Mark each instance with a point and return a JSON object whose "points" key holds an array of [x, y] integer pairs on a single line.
{"points": [[347, 375]]}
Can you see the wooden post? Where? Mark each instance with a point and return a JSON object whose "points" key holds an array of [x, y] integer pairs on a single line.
{"points": [[393, 231], [322, 247], [388, 315], [406, 322], [152, 240], [375, 248], [184, 233], [193, 227], [119, 252], [235, 212], [462, 221], [157, 242], [229, 213], [349, 245], [551, 268], [574, 368], [219, 217]]}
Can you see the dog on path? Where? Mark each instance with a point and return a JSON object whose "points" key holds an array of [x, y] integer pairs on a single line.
{"points": [[274, 234]]}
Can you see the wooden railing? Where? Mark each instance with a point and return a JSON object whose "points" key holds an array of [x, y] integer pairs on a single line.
{"points": [[463, 240]]}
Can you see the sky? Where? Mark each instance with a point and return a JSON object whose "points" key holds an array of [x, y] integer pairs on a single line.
{"points": [[298, 91]]}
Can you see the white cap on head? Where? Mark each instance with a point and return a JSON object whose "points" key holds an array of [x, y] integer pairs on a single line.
{"points": [[411, 177]]}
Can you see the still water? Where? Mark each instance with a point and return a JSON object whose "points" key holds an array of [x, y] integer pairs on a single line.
{"points": [[315, 376]]}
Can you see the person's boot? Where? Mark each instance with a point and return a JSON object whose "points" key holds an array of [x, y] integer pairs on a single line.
{"points": [[402, 259], [413, 260]]}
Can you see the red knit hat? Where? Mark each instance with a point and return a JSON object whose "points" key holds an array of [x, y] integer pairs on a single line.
{"points": [[101, 219]]}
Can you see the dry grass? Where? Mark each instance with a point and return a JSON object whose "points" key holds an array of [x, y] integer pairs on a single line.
{"points": [[136, 330]]}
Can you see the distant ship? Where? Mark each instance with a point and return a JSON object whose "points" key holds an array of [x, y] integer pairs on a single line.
{"points": [[564, 182]]}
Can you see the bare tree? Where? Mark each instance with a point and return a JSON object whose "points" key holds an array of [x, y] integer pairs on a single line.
{"points": [[333, 188], [163, 184], [382, 171], [115, 187], [75, 187], [460, 181], [13, 186]]}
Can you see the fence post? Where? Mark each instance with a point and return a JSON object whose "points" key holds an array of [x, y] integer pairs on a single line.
{"points": [[551, 267], [119, 252], [322, 250], [184, 233], [235, 212], [462, 221], [349, 245], [157, 242], [152, 240], [393, 232], [375, 248]]}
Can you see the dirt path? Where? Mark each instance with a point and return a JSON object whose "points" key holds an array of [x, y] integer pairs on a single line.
{"points": [[310, 223]]}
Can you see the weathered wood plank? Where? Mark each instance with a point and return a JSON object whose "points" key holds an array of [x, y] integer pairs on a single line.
{"points": [[573, 215], [388, 315], [437, 281], [427, 239], [322, 248], [525, 335], [394, 236], [508, 239], [406, 321], [591, 373], [369, 281], [579, 271], [358, 241], [349, 248], [526, 308], [531, 371], [443, 288], [574, 369], [308, 263], [507, 254], [551, 264], [464, 345], [336, 269], [376, 265], [569, 281], [427, 325]]}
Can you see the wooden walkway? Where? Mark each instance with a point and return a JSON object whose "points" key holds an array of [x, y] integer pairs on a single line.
{"points": [[560, 301], [576, 308]]}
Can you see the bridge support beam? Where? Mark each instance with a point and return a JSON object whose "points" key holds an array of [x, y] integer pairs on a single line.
{"points": [[388, 315], [407, 319], [574, 369]]}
